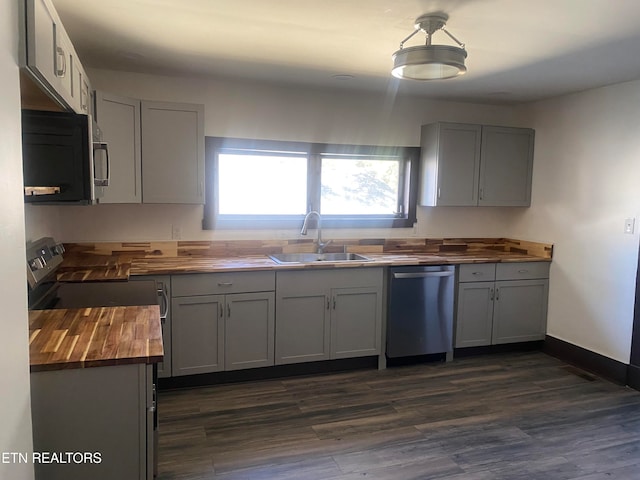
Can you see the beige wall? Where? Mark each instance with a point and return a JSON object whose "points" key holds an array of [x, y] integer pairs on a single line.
{"points": [[15, 403], [250, 110], [586, 182]]}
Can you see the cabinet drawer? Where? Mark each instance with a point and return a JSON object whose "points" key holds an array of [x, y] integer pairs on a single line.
{"points": [[522, 270], [477, 272], [221, 283]]}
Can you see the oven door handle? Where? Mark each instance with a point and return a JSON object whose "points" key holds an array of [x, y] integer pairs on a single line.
{"points": [[165, 300]]}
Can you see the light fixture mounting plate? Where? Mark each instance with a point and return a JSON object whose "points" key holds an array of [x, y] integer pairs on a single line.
{"points": [[431, 22]]}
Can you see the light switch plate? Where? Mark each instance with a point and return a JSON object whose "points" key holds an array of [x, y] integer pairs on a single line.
{"points": [[629, 225], [176, 232]]}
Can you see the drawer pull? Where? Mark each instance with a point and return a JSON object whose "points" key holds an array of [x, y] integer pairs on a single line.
{"points": [[523, 271], [225, 284], [476, 273]]}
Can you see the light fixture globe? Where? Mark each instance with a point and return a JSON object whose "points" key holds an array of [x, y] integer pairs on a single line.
{"points": [[429, 62]]}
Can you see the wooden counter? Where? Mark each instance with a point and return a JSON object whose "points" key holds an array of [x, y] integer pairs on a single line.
{"points": [[117, 261], [94, 337], [177, 265]]}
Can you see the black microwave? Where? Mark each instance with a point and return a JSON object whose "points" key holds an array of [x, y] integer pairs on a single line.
{"points": [[64, 159]]}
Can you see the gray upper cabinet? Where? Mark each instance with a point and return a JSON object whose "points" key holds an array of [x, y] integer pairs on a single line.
{"points": [[471, 165], [49, 56], [119, 120], [328, 314], [172, 153], [156, 150], [506, 166], [450, 164]]}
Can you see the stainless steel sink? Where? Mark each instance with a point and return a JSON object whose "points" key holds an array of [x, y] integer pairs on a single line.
{"points": [[283, 258]]}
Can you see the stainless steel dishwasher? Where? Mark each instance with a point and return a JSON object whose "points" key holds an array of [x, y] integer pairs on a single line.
{"points": [[420, 310]]}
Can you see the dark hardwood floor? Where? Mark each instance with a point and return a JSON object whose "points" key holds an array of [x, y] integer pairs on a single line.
{"points": [[506, 416]]}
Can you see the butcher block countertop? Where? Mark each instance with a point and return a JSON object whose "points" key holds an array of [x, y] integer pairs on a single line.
{"points": [[86, 262], [176, 265], [94, 337]]}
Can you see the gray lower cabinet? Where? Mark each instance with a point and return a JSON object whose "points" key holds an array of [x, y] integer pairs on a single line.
{"points": [[328, 314], [222, 321], [197, 334], [106, 411], [503, 303], [249, 330]]}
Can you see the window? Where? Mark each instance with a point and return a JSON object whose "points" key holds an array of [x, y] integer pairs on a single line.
{"points": [[280, 182], [271, 184]]}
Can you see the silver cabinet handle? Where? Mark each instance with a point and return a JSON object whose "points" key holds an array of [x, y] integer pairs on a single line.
{"points": [[221, 311], [228, 310], [225, 284], [165, 303], [477, 273], [481, 193], [497, 294], [491, 294], [423, 274], [328, 305], [334, 302], [61, 71], [102, 182], [523, 271]]}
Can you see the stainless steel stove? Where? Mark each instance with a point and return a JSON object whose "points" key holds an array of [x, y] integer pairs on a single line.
{"points": [[44, 256]]}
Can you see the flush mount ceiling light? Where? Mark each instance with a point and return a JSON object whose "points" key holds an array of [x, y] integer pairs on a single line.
{"points": [[429, 62]]}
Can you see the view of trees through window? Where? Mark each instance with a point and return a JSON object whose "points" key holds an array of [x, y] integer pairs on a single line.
{"points": [[359, 186]]}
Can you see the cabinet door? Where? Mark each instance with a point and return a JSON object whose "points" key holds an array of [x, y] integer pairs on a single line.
{"points": [[47, 49], [520, 311], [197, 334], [506, 167], [119, 120], [303, 327], [474, 319], [104, 410], [450, 164], [355, 322], [172, 153], [83, 90], [249, 330]]}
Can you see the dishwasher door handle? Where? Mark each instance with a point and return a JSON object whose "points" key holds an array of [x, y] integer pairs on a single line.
{"points": [[422, 274]]}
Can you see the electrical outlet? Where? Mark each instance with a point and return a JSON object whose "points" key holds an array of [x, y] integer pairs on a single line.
{"points": [[629, 225], [176, 232]]}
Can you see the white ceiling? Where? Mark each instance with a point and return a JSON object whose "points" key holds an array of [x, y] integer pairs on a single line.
{"points": [[518, 50]]}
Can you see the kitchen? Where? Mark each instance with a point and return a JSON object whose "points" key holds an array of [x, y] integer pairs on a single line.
{"points": [[583, 190]]}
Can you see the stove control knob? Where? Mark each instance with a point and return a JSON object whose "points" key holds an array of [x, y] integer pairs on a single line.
{"points": [[37, 264], [58, 249]]}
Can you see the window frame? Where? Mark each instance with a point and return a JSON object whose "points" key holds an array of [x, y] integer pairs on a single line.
{"points": [[408, 184]]}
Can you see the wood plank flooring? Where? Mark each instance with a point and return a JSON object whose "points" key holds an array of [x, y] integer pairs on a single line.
{"points": [[507, 416]]}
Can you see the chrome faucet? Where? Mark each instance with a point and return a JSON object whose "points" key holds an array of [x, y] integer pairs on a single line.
{"points": [[321, 244]]}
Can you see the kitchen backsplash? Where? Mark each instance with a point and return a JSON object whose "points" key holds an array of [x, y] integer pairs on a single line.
{"points": [[263, 247]]}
